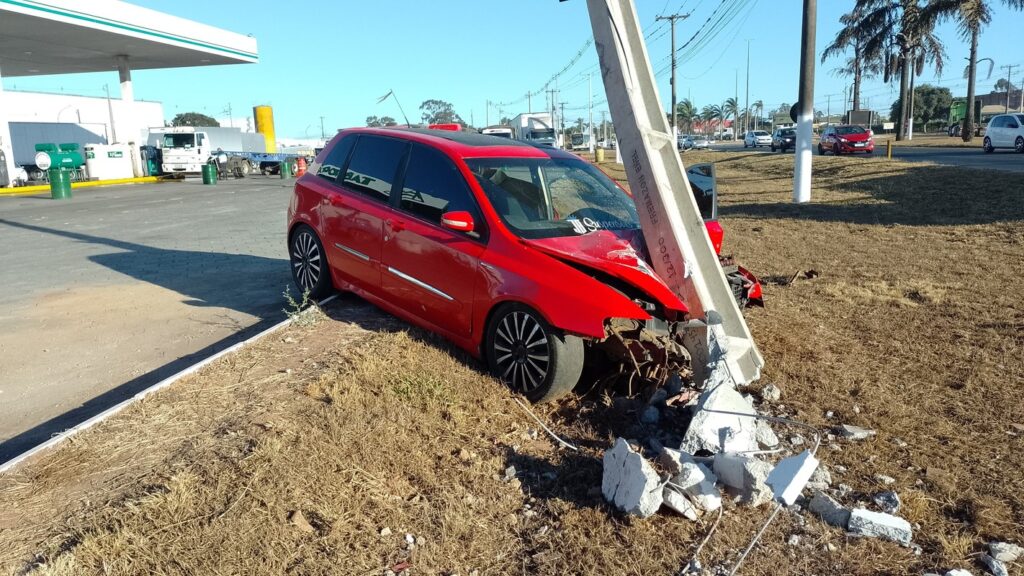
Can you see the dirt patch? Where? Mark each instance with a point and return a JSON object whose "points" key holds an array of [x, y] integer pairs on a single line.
{"points": [[911, 326]]}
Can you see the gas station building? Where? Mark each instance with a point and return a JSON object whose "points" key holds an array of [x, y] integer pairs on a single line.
{"points": [[50, 37]]}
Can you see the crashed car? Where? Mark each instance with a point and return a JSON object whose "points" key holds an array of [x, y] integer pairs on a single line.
{"points": [[529, 258]]}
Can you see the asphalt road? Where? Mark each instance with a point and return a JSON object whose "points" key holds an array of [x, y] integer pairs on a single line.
{"points": [[120, 287], [965, 157]]}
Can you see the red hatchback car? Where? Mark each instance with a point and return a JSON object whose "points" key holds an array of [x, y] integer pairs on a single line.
{"points": [[846, 139], [521, 255]]}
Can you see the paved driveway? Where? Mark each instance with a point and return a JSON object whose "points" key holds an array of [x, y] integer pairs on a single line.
{"points": [[120, 287]]}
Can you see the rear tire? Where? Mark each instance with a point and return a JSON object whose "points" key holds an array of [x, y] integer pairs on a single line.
{"points": [[821, 151], [1018, 144], [835, 150], [310, 270], [530, 356]]}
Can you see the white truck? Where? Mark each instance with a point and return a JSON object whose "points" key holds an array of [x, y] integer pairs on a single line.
{"points": [[498, 130], [535, 128], [186, 148]]}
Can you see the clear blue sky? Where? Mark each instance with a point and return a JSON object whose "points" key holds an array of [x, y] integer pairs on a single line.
{"points": [[335, 58]]}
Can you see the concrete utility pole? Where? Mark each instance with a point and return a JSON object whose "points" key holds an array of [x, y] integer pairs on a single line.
{"points": [[746, 105], [672, 24], [1009, 71], [736, 103], [590, 108], [487, 112], [529, 103], [805, 113], [323, 133]]}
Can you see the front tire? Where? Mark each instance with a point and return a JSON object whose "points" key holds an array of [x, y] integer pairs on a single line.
{"points": [[986, 145], [530, 356], [309, 263], [821, 151]]}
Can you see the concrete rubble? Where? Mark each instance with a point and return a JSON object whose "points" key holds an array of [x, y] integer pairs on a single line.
{"points": [[745, 475], [880, 525], [1005, 551], [771, 393], [851, 432], [713, 431], [888, 501], [789, 477], [831, 512], [958, 572], [765, 436], [694, 479], [994, 566], [676, 501], [630, 482], [821, 479]]}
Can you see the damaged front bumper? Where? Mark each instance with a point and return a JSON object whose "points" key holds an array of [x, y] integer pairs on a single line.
{"points": [[648, 352]]}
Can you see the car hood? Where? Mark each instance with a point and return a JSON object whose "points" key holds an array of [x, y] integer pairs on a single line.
{"points": [[620, 254]]}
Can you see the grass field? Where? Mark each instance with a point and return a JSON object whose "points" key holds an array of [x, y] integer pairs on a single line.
{"points": [[294, 455]]}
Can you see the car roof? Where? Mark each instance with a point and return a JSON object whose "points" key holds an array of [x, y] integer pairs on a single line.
{"points": [[466, 144]]}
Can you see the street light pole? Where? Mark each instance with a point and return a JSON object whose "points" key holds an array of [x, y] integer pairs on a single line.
{"points": [[805, 114], [746, 105], [672, 24]]}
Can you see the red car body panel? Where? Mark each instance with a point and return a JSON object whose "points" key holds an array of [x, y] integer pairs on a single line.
{"points": [[448, 282]]}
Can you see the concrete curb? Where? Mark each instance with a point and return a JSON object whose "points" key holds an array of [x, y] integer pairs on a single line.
{"points": [[54, 441], [45, 189]]}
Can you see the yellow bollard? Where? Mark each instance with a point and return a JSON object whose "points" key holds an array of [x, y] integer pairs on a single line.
{"points": [[888, 148]]}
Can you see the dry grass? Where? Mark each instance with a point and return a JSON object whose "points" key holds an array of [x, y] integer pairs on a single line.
{"points": [[914, 327], [931, 140]]}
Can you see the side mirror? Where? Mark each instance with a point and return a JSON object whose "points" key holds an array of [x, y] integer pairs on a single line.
{"points": [[460, 221]]}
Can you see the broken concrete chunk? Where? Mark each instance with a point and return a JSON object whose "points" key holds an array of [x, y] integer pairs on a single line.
{"points": [[831, 512], [851, 432], [745, 475], [958, 572], [788, 478], [672, 460], [879, 525], [698, 483], [771, 393], [883, 479], [1005, 551], [715, 431], [679, 503], [888, 501], [765, 436], [821, 479], [994, 566], [630, 482]]}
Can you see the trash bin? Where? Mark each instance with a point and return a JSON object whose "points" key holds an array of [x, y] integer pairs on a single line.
{"points": [[286, 169], [209, 173], [150, 160], [5, 178], [600, 154], [60, 183]]}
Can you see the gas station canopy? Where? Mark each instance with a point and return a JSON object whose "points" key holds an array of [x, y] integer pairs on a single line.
{"points": [[70, 36]]}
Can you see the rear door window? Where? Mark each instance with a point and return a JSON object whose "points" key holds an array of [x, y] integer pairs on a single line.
{"points": [[374, 166], [334, 163]]}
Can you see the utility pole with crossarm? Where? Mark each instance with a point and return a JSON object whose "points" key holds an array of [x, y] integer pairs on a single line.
{"points": [[672, 23]]}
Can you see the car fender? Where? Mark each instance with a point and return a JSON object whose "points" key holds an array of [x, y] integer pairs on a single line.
{"points": [[304, 207], [567, 298]]}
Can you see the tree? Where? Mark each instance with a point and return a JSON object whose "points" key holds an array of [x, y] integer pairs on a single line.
{"points": [[971, 17], [859, 65], [1002, 85], [730, 108], [930, 103], [193, 119], [375, 122], [439, 112], [900, 34], [686, 113], [759, 106]]}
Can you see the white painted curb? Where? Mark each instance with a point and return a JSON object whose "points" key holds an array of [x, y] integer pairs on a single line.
{"points": [[57, 439]]}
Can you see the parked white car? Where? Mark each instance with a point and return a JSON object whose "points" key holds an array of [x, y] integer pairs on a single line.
{"points": [[1005, 131], [755, 138]]}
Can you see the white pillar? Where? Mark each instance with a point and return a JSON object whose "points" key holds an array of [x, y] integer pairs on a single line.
{"points": [[128, 128], [5, 133]]}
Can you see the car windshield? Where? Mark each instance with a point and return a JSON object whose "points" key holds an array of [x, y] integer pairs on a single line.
{"points": [[551, 197], [789, 133], [846, 130], [760, 133]]}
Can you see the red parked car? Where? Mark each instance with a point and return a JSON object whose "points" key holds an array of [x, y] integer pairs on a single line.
{"points": [[524, 256], [846, 139]]}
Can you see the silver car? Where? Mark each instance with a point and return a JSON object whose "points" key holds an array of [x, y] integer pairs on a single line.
{"points": [[755, 138]]}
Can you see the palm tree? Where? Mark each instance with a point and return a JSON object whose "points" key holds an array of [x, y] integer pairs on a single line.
{"points": [[710, 113], [759, 106], [900, 34], [730, 108], [686, 113], [971, 17], [860, 65]]}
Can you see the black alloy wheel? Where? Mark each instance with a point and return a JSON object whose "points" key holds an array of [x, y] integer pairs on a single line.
{"points": [[309, 264], [530, 356], [1018, 144]]}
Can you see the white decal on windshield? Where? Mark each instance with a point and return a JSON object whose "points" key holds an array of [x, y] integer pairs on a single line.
{"points": [[584, 226]]}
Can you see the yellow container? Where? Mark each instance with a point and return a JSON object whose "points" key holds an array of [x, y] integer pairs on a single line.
{"points": [[264, 116]]}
